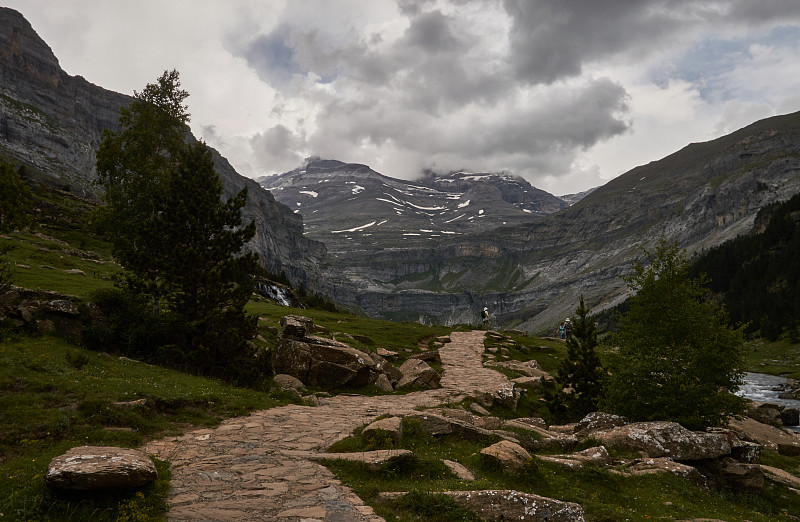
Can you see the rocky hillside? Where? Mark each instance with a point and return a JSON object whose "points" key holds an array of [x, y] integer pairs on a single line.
{"points": [[54, 122], [349, 205]]}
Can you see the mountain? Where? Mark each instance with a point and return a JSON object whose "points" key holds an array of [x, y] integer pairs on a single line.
{"points": [[530, 269], [54, 122], [349, 205]]}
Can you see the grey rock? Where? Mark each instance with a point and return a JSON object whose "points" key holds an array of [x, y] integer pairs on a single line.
{"points": [[498, 505], [100, 467], [666, 439]]}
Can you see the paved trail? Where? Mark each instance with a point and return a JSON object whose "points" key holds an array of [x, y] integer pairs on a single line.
{"points": [[257, 467]]}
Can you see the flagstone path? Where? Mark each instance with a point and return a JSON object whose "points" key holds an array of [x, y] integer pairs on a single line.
{"points": [[259, 468]]}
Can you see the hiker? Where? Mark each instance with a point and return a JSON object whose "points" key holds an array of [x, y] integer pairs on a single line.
{"points": [[561, 331], [485, 318], [567, 327]]}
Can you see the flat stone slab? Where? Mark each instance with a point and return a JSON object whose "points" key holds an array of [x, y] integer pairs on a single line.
{"points": [[497, 505], [373, 460], [88, 468]]}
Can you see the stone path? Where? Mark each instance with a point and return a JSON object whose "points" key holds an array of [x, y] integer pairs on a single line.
{"points": [[258, 467]]}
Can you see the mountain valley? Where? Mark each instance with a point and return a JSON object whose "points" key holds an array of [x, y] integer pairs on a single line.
{"points": [[438, 249]]}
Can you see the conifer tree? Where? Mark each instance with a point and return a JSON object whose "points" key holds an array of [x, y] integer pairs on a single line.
{"points": [[179, 243], [208, 283], [581, 371]]}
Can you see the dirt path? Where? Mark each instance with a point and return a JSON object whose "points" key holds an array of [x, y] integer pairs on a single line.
{"points": [[257, 467]]}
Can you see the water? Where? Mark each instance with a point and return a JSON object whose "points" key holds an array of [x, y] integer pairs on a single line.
{"points": [[766, 388]]}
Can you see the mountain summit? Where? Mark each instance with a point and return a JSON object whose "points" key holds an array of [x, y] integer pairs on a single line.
{"points": [[348, 204]]}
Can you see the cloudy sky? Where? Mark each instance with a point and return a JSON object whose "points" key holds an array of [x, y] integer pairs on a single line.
{"points": [[567, 93]]}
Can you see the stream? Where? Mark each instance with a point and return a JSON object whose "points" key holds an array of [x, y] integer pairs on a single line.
{"points": [[766, 388]]}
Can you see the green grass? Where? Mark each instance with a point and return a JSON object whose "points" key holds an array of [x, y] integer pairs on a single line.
{"points": [[403, 338], [604, 496], [56, 395], [775, 358]]}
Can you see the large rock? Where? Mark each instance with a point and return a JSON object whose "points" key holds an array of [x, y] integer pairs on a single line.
{"points": [[508, 455], [499, 505], [665, 439], [317, 361], [665, 465], [772, 438], [741, 477], [88, 468], [417, 375], [391, 427], [765, 413], [597, 421], [597, 455], [372, 460], [438, 425]]}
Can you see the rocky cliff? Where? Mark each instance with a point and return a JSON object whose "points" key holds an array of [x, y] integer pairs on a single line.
{"points": [[54, 122]]}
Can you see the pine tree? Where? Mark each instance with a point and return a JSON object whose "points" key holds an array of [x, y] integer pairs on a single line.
{"points": [[581, 371], [134, 166], [208, 283], [179, 243]]}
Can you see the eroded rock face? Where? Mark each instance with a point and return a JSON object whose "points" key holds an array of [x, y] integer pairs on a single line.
{"points": [[666, 439], [497, 505], [88, 468]]}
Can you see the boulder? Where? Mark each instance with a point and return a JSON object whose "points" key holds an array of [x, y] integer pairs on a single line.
{"points": [[458, 469], [87, 468], [438, 425], [770, 437], [508, 455], [765, 413], [790, 417], [391, 427], [741, 477], [498, 505], [288, 382], [383, 383], [432, 356], [317, 361], [417, 375], [597, 455], [384, 366], [297, 325], [663, 465], [597, 421], [665, 439]]}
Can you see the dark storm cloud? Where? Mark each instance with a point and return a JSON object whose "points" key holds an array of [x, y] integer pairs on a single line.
{"points": [[553, 39], [272, 57]]}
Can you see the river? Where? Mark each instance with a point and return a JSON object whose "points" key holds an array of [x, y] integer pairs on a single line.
{"points": [[766, 388]]}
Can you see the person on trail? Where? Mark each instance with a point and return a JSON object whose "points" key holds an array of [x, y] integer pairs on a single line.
{"points": [[561, 331], [567, 327], [485, 318]]}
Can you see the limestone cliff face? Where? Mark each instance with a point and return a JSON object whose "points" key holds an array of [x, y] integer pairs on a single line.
{"points": [[54, 122]]}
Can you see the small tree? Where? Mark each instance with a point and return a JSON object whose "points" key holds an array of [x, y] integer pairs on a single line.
{"points": [[678, 359], [581, 371]]}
